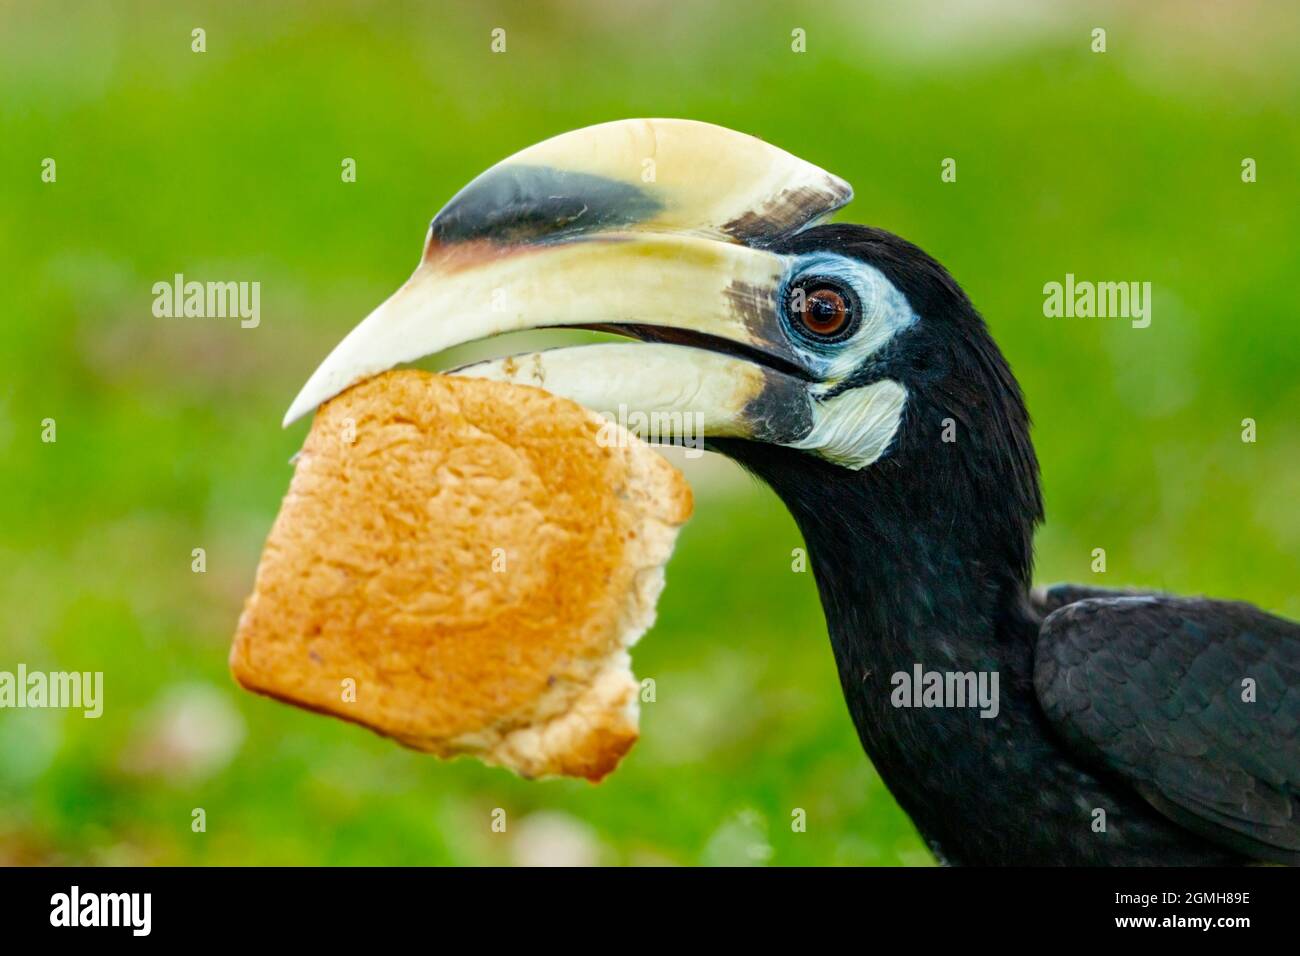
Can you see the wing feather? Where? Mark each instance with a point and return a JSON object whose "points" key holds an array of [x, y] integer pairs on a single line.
{"points": [[1155, 688]]}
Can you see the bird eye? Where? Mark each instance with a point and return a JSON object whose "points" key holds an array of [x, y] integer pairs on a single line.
{"points": [[821, 310]]}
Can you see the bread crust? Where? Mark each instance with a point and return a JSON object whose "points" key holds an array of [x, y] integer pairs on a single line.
{"points": [[475, 558]]}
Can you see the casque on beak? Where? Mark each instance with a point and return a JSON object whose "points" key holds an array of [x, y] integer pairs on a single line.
{"points": [[652, 228]]}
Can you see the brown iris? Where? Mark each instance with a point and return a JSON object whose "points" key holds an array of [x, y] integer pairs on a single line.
{"points": [[825, 311]]}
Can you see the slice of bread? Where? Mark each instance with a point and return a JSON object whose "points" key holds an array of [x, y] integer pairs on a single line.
{"points": [[461, 565]]}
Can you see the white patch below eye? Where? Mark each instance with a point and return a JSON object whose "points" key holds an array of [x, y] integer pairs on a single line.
{"points": [[855, 428]]}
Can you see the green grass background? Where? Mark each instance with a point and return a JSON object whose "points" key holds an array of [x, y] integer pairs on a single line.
{"points": [[225, 165]]}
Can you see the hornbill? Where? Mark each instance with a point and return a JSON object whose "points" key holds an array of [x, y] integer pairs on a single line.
{"points": [[1132, 727]]}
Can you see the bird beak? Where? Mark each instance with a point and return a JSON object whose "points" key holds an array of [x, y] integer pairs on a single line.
{"points": [[652, 228]]}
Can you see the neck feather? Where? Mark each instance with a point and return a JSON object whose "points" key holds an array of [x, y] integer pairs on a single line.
{"points": [[924, 563]]}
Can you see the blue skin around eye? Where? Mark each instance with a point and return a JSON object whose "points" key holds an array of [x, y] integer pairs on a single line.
{"points": [[880, 302]]}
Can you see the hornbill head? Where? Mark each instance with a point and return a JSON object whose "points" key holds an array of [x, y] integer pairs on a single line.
{"points": [[831, 360]]}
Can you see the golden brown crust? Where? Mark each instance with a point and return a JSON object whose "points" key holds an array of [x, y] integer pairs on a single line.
{"points": [[475, 558]]}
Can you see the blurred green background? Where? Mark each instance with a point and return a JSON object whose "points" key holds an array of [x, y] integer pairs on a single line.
{"points": [[226, 165]]}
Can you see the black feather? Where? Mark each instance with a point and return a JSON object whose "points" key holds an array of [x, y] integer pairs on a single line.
{"points": [[925, 557]]}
